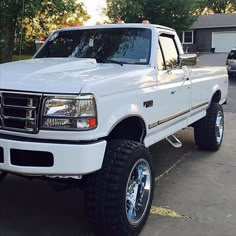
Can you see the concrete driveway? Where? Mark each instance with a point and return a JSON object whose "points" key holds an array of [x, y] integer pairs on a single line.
{"points": [[195, 191], [214, 59]]}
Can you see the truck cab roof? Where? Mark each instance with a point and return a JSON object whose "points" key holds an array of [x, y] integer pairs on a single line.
{"points": [[123, 25]]}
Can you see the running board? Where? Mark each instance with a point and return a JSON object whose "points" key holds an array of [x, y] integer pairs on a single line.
{"points": [[174, 141]]}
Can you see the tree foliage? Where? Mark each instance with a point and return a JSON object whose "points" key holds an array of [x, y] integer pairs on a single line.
{"points": [[128, 11], [216, 6], [37, 17], [173, 13]]}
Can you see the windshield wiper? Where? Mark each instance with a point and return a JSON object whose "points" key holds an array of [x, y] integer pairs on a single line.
{"points": [[104, 60]]}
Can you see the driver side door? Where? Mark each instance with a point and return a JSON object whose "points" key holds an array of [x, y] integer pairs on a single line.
{"points": [[173, 93]]}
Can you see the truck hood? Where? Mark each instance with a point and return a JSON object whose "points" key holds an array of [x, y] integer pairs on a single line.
{"points": [[56, 75]]}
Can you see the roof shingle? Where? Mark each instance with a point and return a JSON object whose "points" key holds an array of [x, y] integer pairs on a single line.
{"points": [[215, 21]]}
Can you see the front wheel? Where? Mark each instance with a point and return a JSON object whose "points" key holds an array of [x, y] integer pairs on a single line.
{"points": [[119, 196], [209, 131], [2, 176]]}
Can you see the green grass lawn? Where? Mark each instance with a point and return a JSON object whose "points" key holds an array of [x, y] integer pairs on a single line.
{"points": [[22, 57], [18, 58]]}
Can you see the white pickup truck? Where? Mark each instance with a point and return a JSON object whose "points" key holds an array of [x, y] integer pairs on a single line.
{"points": [[91, 102]]}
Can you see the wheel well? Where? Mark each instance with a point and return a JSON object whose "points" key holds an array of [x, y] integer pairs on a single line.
{"points": [[132, 128], [216, 97]]}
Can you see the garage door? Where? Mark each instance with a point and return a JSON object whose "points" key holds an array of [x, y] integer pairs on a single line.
{"points": [[223, 41]]}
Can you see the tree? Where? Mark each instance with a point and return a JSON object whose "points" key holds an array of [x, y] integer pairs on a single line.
{"points": [[173, 13], [38, 15], [216, 6], [127, 10]]}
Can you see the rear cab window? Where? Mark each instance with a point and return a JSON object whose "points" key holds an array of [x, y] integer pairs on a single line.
{"points": [[232, 55]]}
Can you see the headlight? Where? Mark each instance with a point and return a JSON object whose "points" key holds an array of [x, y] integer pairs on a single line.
{"points": [[78, 113]]}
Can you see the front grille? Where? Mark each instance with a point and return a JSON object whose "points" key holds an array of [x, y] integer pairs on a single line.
{"points": [[19, 112]]}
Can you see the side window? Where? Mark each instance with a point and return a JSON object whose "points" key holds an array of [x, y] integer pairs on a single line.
{"points": [[170, 52], [160, 59]]}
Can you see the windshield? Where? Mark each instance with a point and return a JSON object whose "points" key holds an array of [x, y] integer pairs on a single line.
{"points": [[126, 45], [232, 55]]}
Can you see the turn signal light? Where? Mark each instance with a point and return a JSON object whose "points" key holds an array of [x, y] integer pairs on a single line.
{"points": [[92, 122], [227, 62]]}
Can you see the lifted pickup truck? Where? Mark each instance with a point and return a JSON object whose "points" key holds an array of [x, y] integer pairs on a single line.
{"points": [[91, 102]]}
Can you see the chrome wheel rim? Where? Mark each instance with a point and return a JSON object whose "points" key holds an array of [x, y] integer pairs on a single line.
{"points": [[138, 190], [219, 127]]}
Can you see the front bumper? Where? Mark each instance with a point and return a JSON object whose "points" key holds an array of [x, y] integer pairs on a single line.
{"points": [[45, 158]]}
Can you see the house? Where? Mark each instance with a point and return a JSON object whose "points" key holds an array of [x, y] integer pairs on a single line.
{"points": [[211, 33]]}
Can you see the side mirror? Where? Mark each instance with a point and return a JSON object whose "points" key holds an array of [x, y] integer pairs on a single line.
{"points": [[187, 59]]}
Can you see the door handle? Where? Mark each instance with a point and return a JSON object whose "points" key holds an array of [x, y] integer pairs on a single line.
{"points": [[173, 92]]}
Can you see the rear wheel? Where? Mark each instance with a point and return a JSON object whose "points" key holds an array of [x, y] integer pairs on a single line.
{"points": [[119, 196], [209, 131]]}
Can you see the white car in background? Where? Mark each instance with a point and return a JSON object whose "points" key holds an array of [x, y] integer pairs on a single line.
{"points": [[231, 63]]}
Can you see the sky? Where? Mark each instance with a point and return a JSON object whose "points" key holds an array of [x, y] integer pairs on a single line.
{"points": [[94, 8]]}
